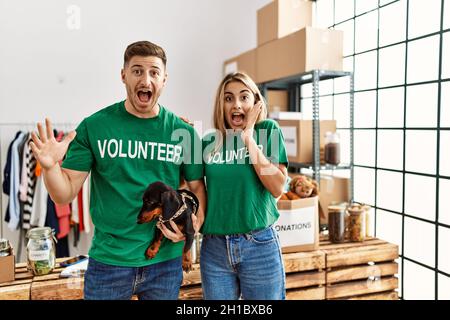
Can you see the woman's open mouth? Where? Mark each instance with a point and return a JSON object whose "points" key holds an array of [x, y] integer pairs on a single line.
{"points": [[144, 95], [237, 119]]}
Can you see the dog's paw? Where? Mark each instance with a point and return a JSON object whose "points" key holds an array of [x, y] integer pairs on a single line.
{"points": [[187, 266], [151, 252]]}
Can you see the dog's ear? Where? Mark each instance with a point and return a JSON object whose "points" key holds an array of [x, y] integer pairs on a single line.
{"points": [[170, 203]]}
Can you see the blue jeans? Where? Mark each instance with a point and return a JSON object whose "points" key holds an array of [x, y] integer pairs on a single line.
{"points": [[248, 266], [159, 281]]}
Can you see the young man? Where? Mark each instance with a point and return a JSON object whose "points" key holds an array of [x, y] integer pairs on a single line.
{"points": [[127, 146]]}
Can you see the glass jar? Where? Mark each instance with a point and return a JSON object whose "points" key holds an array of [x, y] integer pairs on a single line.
{"points": [[356, 222], [332, 148], [336, 224], [5, 248], [41, 250], [366, 209], [198, 241]]}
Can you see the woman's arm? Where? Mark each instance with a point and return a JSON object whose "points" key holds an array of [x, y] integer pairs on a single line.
{"points": [[273, 177]]}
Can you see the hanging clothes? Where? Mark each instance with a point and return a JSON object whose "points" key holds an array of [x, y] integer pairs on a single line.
{"points": [[39, 208], [63, 215], [74, 221], [14, 203], [30, 205], [7, 175], [62, 248], [22, 173], [80, 210], [7, 169], [51, 220], [27, 190]]}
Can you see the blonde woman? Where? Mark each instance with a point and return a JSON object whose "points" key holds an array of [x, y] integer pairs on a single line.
{"points": [[245, 170]]}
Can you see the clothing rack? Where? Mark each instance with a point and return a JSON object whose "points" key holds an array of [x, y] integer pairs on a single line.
{"points": [[25, 126]]}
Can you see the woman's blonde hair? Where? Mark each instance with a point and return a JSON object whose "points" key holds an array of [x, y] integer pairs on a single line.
{"points": [[219, 120]]}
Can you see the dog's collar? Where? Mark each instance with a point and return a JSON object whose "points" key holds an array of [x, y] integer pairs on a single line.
{"points": [[181, 210]]}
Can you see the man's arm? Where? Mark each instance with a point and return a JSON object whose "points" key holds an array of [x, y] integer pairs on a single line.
{"points": [[63, 184]]}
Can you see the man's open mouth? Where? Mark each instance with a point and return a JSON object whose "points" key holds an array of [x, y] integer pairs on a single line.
{"points": [[144, 95]]}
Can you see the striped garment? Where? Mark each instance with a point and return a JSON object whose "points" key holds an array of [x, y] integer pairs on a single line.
{"points": [[31, 185]]}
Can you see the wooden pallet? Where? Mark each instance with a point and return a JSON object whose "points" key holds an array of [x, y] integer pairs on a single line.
{"points": [[361, 270], [52, 287], [27, 286], [351, 270], [191, 288], [305, 275], [305, 278]]}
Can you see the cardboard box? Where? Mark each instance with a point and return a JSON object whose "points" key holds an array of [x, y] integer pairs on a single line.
{"points": [[305, 50], [7, 268], [298, 138], [245, 62], [282, 17], [286, 115], [277, 100], [298, 224], [333, 190]]}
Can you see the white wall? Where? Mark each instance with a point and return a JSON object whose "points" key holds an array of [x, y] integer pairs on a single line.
{"points": [[51, 68]]}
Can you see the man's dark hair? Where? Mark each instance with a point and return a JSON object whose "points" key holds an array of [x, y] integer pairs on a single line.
{"points": [[145, 49]]}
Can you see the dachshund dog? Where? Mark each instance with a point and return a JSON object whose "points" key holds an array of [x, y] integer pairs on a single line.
{"points": [[165, 204]]}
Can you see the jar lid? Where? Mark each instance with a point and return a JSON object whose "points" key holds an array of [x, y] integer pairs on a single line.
{"points": [[4, 245], [333, 137], [335, 208], [41, 232], [355, 208]]}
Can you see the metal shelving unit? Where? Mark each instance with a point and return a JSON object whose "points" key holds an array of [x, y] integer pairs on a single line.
{"points": [[293, 85]]}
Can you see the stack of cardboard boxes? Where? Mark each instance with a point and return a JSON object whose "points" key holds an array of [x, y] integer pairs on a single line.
{"points": [[289, 44]]}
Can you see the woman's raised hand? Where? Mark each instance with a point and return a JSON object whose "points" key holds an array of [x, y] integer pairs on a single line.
{"points": [[252, 116]]}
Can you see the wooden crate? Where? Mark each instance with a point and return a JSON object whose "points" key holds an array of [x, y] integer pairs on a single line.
{"points": [[305, 275], [361, 270], [52, 287], [351, 270], [19, 289], [191, 288], [305, 278]]}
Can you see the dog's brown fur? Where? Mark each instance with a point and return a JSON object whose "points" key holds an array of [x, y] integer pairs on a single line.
{"points": [[160, 200]]}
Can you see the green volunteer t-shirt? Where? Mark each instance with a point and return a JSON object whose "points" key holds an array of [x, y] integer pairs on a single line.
{"points": [[125, 154], [237, 200]]}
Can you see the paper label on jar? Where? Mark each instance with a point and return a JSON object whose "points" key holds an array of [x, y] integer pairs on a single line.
{"points": [[38, 255]]}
